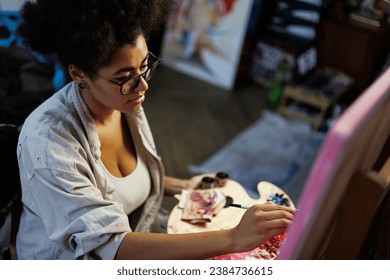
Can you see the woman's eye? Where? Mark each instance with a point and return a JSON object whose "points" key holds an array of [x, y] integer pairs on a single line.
{"points": [[124, 78], [142, 69]]}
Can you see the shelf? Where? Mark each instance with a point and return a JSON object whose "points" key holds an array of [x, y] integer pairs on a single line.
{"points": [[310, 100], [314, 122]]}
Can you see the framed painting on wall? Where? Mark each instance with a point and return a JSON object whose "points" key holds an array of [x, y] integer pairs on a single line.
{"points": [[204, 39]]}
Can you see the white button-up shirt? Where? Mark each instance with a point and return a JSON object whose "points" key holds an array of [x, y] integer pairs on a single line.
{"points": [[68, 206]]}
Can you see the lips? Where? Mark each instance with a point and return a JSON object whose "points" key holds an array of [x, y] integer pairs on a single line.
{"points": [[138, 100]]}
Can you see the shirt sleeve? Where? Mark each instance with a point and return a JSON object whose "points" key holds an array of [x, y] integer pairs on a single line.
{"points": [[75, 214]]}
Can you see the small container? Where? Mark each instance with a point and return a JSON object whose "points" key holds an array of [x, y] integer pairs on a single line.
{"points": [[221, 179], [207, 183]]}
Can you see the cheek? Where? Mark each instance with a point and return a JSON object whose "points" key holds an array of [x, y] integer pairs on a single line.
{"points": [[105, 91], [108, 96]]}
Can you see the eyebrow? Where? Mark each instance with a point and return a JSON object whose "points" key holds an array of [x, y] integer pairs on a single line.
{"points": [[129, 69]]}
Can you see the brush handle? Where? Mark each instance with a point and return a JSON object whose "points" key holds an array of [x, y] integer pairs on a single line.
{"points": [[239, 206]]}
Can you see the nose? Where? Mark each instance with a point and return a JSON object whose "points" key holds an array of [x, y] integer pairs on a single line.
{"points": [[141, 85]]}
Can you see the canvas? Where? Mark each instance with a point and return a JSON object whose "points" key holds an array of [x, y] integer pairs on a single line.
{"points": [[343, 189], [204, 39]]}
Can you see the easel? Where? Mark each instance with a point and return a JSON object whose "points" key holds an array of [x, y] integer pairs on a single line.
{"points": [[364, 200]]}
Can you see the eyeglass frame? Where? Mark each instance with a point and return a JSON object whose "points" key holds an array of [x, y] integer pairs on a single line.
{"points": [[153, 66]]}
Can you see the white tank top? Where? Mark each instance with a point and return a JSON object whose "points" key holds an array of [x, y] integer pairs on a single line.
{"points": [[131, 191]]}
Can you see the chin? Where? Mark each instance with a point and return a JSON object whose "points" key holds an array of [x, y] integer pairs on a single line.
{"points": [[133, 108]]}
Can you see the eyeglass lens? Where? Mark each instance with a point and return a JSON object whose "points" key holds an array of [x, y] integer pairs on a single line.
{"points": [[133, 83]]}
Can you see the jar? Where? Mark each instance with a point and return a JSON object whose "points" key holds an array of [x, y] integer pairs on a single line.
{"points": [[221, 179], [207, 183]]}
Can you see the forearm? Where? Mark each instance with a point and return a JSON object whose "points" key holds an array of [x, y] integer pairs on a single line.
{"points": [[174, 185], [258, 224], [202, 245]]}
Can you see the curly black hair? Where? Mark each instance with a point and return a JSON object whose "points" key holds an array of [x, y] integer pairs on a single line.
{"points": [[87, 33]]}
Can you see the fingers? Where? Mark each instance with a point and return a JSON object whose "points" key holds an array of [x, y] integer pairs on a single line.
{"points": [[266, 217], [261, 213], [261, 222], [273, 216], [268, 207], [280, 223]]}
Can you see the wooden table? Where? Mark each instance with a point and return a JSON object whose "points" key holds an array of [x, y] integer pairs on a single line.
{"points": [[227, 217]]}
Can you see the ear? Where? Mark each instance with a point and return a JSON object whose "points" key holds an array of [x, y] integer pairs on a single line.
{"points": [[75, 73]]}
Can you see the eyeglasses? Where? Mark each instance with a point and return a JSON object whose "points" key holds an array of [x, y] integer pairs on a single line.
{"points": [[132, 82]]}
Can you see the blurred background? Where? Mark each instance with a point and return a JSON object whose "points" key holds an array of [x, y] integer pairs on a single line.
{"points": [[225, 64], [303, 60]]}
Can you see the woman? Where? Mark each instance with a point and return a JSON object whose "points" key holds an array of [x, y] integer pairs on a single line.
{"points": [[92, 181]]}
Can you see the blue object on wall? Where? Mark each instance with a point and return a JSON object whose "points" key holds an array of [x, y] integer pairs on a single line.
{"points": [[9, 22]]}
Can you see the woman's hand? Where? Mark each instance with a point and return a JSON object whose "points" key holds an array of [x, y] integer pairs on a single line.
{"points": [[174, 185], [259, 224]]}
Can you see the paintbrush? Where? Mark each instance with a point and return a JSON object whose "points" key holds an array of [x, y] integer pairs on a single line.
{"points": [[239, 205]]}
